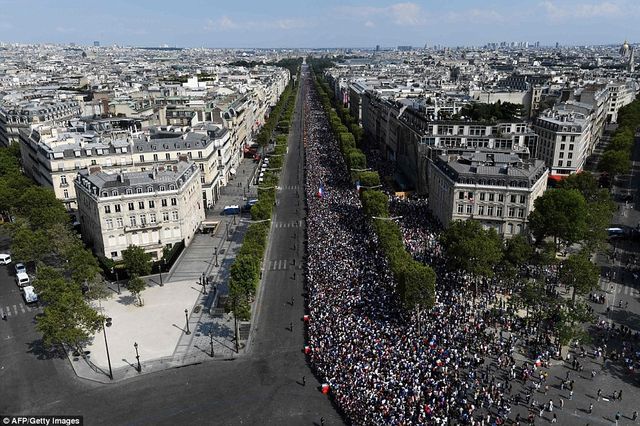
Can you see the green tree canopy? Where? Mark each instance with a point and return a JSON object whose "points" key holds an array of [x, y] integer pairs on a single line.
{"points": [[137, 262], [615, 162], [375, 203], [40, 207], [471, 248], [416, 286], [579, 273], [136, 286], [561, 214]]}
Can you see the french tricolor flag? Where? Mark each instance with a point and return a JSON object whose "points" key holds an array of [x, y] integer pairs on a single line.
{"points": [[320, 192], [358, 186]]}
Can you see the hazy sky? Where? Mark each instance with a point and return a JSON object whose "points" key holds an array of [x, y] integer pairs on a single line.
{"points": [[318, 23]]}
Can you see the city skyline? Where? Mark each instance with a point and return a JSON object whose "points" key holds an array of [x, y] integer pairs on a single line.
{"points": [[287, 23]]}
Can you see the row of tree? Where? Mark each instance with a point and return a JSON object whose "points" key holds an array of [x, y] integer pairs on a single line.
{"points": [[616, 159], [245, 270], [415, 281], [577, 212]]}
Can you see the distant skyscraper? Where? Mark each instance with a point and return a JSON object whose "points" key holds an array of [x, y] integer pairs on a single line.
{"points": [[557, 44], [377, 47], [404, 48], [96, 43]]}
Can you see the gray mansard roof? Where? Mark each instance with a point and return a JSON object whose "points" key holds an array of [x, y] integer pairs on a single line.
{"points": [[158, 179], [491, 168]]}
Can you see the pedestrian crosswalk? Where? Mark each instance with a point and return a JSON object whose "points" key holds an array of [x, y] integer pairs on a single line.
{"points": [[278, 265], [289, 187], [294, 224], [15, 310], [629, 291]]}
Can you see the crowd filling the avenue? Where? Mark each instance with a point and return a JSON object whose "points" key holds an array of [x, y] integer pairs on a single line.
{"points": [[451, 364]]}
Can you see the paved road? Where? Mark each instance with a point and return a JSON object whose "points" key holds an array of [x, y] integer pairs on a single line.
{"points": [[263, 388]]}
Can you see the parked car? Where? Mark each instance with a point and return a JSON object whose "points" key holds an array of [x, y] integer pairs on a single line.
{"points": [[22, 279], [5, 259], [20, 268], [249, 204], [29, 294], [229, 210]]}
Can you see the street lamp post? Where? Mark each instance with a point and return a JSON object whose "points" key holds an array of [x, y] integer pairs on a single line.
{"points": [[186, 316], [204, 286], [162, 263], [107, 322], [114, 270], [215, 252], [235, 324], [211, 342], [135, 345]]}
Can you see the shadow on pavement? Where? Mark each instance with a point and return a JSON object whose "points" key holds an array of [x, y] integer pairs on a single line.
{"points": [[41, 352], [127, 300]]}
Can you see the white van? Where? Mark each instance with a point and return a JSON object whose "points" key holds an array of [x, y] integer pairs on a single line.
{"points": [[5, 259], [29, 294], [22, 279]]}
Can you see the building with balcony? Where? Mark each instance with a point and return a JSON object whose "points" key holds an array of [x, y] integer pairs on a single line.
{"points": [[152, 209], [497, 189], [53, 155]]}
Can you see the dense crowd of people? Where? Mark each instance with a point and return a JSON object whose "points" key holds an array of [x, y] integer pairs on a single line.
{"points": [[385, 366], [452, 364]]}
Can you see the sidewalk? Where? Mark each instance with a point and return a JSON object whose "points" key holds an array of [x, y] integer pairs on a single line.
{"points": [[159, 326]]}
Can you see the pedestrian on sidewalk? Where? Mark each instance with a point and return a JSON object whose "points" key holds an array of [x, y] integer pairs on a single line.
{"points": [[304, 381], [599, 394], [618, 415], [554, 419], [620, 395], [591, 408]]}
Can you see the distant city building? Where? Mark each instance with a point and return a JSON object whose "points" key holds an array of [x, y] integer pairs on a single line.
{"points": [[153, 209], [404, 48], [565, 140], [96, 44], [13, 118], [498, 189]]}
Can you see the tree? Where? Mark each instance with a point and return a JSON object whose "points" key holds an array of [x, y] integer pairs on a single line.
{"points": [[137, 262], [517, 253], [356, 159], [579, 273], [417, 286], [69, 322], [244, 274], [136, 285], [600, 207], [375, 204], [471, 248], [561, 214], [29, 245], [41, 208], [615, 162]]}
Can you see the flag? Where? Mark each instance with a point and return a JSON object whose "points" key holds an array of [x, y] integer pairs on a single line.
{"points": [[358, 185], [320, 191]]}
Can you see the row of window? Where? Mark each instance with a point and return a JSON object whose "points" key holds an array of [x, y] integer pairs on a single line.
{"points": [[141, 220], [561, 162], [167, 156], [139, 190], [490, 196], [141, 205], [489, 210]]}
